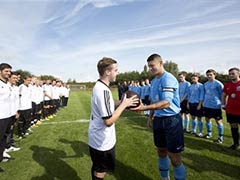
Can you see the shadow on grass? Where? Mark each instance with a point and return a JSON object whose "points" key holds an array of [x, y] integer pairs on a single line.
{"points": [[50, 159], [122, 171], [203, 144], [202, 163]]}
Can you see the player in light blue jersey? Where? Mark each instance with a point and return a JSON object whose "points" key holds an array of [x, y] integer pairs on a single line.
{"points": [[183, 92], [212, 104], [165, 119], [195, 99]]}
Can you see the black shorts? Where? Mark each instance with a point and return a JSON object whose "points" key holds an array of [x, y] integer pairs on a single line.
{"points": [[147, 100], [184, 108], [103, 161], [168, 133], [212, 113], [233, 118], [193, 110]]}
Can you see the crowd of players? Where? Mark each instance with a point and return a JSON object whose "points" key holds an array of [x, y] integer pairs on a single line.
{"points": [[25, 106], [200, 100]]}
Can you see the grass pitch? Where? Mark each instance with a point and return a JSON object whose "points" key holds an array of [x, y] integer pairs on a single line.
{"points": [[58, 150]]}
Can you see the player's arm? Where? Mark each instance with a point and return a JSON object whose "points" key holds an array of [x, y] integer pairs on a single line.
{"points": [[224, 100], [116, 114]]}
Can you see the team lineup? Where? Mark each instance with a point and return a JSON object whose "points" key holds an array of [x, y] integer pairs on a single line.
{"points": [[169, 103]]}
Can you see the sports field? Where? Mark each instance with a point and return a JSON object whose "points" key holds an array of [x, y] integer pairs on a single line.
{"points": [[58, 150]]}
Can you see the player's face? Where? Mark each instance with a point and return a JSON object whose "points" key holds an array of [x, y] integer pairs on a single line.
{"points": [[233, 75], [27, 81], [113, 72], [181, 78], [194, 79], [210, 76], [154, 67], [13, 79], [5, 73]]}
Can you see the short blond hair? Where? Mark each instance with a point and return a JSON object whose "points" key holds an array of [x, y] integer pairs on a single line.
{"points": [[104, 64]]}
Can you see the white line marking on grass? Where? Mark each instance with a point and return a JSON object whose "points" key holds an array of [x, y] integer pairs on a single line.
{"points": [[67, 122]]}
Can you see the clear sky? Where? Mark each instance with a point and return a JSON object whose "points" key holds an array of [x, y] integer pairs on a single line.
{"points": [[67, 38]]}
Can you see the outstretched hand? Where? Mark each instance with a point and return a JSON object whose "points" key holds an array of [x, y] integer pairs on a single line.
{"points": [[132, 101]]}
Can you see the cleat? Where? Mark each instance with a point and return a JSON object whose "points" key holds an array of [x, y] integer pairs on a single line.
{"points": [[234, 147], [12, 149], [207, 136], [218, 141], [199, 135], [5, 154]]}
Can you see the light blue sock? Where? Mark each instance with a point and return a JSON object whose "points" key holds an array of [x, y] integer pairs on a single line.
{"points": [[209, 128], [179, 172], [200, 126], [187, 124], [194, 125], [163, 165], [220, 131]]}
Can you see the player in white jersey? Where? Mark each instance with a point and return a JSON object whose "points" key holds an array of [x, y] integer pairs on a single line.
{"points": [[24, 122], [5, 106], [47, 90], [14, 101], [101, 133]]}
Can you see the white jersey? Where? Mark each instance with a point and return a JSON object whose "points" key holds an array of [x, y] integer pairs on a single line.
{"points": [[14, 99], [56, 92], [5, 105], [34, 95], [48, 90], [25, 97], [100, 136]]}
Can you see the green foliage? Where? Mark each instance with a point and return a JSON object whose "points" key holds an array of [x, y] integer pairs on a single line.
{"points": [[23, 74], [47, 77], [171, 67]]}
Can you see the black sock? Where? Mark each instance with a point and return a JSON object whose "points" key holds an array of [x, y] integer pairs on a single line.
{"points": [[235, 136]]}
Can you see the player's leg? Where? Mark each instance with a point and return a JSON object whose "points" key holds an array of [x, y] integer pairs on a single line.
{"points": [[175, 145], [161, 144], [218, 118]]}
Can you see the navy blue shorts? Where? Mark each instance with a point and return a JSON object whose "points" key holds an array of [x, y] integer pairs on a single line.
{"points": [[168, 133], [184, 108], [193, 110], [212, 113], [103, 161]]}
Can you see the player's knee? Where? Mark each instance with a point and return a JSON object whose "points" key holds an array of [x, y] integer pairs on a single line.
{"points": [[162, 152], [175, 159]]}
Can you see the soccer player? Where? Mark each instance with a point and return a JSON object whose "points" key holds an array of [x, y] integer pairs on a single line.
{"points": [[5, 107], [14, 101], [212, 104], [195, 99], [165, 119], [25, 108], [183, 92], [231, 102], [101, 133]]}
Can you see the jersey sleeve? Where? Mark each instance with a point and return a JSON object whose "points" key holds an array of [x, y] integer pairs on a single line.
{"points": [[104, 104], [169, 86]]}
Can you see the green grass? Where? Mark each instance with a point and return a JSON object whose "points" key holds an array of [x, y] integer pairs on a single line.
{"points": [[58, 150]]}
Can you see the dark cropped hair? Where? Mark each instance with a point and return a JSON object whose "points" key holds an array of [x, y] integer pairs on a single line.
{"points": [[154, 56], [5, 66], [234, 68], [211, 71], [105, 64]]}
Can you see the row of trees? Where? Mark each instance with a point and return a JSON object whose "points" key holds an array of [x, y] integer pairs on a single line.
{"points": [[170, 67], [133, 75]]}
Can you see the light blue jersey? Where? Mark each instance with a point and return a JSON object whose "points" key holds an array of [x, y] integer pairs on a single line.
{"points": [[165, 88], [213, 94], [183, 89], [195, 93]]}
